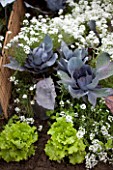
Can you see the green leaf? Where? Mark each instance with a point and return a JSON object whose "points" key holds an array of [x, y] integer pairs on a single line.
{"points": [[109, 144], [77, 157], [53, 152]]}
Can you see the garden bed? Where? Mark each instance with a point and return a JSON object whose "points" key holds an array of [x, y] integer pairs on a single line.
{"points": [[59, 57], [41, 162]]}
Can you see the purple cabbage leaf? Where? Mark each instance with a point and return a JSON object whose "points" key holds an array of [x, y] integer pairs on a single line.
{"points": [[45, 93], [38, 61], [82, 80]]}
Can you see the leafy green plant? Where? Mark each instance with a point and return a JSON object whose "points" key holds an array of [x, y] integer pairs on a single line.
{"points": [[93, 124], [67, 54], [64, 143], [82, 80], [17, 141], [40, 61]]}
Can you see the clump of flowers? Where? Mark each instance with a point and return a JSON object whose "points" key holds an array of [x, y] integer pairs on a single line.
{"points": [[72, 27], [94, 126], [63, 60]]}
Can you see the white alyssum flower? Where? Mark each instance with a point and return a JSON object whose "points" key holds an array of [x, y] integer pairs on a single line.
{"points": [[72, 46], [25, 22], [34, 20], [27, 15], [92, 108], [24, 96], [95, 141], [16, 82], [26, 49], [92, 135], [69, 118], [40, 127], [110, 118], [103, 156], [61, 103], [76, 114], [60, 36], [32, 102], [21, 45], [12, 78], [95, 147], [67, 101], [40, 16], [27, 120], [107, 111], [17, 109], [62, 113], [104, 131], [60, 11], [83, 106], [22, 118], [81, 132], [91, 160], [15, 39], [83, 118], [16, 100], [18, 89], [31, 88], [34, 86], [107, 125], [1, 38], [32, 32]]}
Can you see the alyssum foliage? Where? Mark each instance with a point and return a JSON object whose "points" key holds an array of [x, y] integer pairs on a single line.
{"points": [[17, 141], [81, 79]]}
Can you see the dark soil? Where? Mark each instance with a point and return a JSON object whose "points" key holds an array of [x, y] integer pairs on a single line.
{"points": [[40, 161]]}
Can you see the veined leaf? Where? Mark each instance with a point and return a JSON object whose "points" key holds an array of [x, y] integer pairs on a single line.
{"points": [[45, 93]]}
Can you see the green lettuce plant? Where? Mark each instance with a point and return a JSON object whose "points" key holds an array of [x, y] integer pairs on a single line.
{"points": [[64, 142], [17, 141]]}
